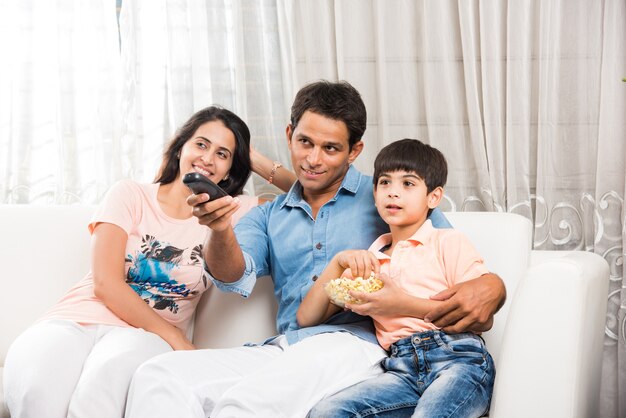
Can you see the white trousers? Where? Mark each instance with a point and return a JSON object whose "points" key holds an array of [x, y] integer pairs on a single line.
{"points": [[277, 380], [63, 369]]}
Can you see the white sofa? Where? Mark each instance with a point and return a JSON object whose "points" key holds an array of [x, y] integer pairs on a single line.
{"points": [[546, 340]]}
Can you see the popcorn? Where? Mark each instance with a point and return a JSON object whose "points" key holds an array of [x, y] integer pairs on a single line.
{"points": [[338, 289]]}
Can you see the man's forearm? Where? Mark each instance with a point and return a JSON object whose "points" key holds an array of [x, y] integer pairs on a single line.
{"points": [[470, 305], [223, 256]]}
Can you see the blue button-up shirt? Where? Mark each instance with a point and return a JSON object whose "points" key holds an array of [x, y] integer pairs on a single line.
{"points": [[282, 239]]}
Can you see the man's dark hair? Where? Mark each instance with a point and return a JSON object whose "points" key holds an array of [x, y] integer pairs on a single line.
{"points": [[413, 156], [334, 100]]}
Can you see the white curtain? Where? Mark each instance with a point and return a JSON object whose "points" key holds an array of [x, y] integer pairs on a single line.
{"points": [[525, 99], [59, 95], [182, 55]]}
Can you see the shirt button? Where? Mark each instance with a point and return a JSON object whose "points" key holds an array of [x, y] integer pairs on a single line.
{"points": [[318, 245], [314, 278]]}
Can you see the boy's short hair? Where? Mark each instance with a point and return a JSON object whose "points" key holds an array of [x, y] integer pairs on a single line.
{"points": [[413, 156], [334, 100]]}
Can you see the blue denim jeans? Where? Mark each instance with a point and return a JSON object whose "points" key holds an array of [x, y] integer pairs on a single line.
{"points": [[429, 374]]}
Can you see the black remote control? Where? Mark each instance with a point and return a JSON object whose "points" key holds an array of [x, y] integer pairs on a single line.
{"points": [[200, 184]]}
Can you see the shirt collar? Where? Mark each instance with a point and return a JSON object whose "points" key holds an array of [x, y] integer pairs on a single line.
{"points": [[421, 236], [350, 183]]}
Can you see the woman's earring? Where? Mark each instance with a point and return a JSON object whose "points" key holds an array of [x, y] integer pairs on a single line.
{"points": [[225, 178], [178, 155]]}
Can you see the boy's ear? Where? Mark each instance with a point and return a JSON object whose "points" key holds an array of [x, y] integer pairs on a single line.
{"points": [[434, 197]]}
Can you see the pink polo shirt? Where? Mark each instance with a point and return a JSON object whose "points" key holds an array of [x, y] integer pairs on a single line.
{"points": [[430, 261]]}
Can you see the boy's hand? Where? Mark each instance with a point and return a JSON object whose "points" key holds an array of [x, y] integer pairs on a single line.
{"points": [[382, 302], [360, 262]]}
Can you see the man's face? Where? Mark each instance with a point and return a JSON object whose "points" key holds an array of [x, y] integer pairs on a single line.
{"points": [[320, 153]]}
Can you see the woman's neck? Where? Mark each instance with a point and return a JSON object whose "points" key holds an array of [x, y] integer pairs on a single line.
{"points": [[172, 198]]}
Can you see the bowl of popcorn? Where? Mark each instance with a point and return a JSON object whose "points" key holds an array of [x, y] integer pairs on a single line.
{"points": [[338, 290]]}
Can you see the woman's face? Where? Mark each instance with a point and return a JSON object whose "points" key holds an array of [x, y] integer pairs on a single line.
{"points": [[209, 151]]}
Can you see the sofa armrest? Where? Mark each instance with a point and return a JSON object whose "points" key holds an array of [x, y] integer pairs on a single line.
{"points": [[552, 344]]}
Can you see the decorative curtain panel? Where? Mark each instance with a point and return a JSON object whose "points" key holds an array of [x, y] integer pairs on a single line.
{"points": [[524, 98], [59, 100]]}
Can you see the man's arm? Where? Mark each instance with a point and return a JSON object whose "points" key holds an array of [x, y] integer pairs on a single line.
{"points": [[222, 253], [223, 256], [469, 306]]}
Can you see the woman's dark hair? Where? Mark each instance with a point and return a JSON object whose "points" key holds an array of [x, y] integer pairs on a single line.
{"points": [[241, 167], [413, 156], [338, 101]]}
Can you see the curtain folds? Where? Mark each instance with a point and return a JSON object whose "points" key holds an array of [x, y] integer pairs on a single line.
{"points": [[524, 98], [183, 55], [59, 84]]}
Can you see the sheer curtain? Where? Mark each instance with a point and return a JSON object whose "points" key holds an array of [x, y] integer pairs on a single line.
{"points": [[59, 89], [182, 55], [524, 97]]}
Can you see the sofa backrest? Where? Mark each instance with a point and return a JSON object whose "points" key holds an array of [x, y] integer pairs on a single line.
{"points": [[503, 239], [44, 250]]}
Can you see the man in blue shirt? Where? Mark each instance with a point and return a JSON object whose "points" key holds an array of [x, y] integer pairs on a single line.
{"points": [[292, 239]]}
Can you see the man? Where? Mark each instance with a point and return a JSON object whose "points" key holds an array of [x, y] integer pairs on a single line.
{"points": [[292, 239]]}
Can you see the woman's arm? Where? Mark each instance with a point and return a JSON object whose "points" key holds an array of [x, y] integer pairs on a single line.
{"points": [[108, 245], [282, 178]]}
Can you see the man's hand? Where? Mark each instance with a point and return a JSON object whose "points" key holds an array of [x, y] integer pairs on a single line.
{"points": [[469, 306], [214, 214]]}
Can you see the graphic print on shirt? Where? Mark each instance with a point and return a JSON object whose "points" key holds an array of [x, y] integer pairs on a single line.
{"points": [[150, 273]]}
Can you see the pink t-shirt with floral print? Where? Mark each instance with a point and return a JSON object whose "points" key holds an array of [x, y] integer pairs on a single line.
{"points": [[163, 262]]}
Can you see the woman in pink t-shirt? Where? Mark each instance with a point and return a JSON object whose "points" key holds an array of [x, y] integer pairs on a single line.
{"points": [[146, 278]]}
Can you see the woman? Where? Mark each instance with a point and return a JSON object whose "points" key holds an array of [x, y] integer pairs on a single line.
{"points": [[145, 281]]}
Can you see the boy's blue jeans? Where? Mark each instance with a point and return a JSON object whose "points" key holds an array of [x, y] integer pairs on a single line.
{"points": [[429, 374]]}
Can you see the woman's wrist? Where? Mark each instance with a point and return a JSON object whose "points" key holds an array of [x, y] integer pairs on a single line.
{"points": [[263, 166], [275, 166]]}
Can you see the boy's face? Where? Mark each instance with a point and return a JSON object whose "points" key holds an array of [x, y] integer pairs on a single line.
{"points": [[402, 199], [320, 153]]}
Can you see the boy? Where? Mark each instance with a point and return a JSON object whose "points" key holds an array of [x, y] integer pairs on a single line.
{"points": [[428, 373]]}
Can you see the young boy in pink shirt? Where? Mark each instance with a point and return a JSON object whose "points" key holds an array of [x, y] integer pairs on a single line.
{"points": [[428, 373]]}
